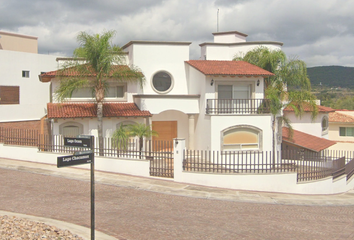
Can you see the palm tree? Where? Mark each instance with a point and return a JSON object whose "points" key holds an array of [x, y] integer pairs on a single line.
{"points": [[96, 62], [289, 86], [141, 130], [120, 138]]}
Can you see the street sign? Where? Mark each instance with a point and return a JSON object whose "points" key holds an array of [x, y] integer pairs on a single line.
{"points": [[72, 160], [77, 142], [82, 157]]}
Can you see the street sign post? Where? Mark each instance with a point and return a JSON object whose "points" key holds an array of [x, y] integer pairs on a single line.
{"points": [[82, 158], [77, 142], [75, 159]]}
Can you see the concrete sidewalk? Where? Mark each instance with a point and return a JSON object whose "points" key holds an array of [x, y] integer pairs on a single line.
{"points": [[166, 186]]}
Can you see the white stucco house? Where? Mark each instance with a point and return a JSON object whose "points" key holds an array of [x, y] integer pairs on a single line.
{"points": [[311, 134], [22, 98], [214, 103]]}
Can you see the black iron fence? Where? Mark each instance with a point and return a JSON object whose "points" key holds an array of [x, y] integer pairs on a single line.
{"points": [[24, 137], [237, 106], [307, 166]]}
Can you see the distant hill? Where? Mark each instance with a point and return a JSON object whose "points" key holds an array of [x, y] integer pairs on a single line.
{"points": [[332, 76]]}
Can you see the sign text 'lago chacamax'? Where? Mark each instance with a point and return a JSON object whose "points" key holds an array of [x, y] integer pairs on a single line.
{"points": [[65, 161]]}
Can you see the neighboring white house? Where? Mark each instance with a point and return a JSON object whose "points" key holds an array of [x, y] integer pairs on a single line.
{"points": [[216, 105], [341, 129], [309, 133], [22, 97]]}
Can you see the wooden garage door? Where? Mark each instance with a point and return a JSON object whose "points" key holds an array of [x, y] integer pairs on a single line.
{"points": [[167, 130]]}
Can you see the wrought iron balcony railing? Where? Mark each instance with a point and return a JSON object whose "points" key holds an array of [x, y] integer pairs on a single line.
{"points": [[237, 106]]}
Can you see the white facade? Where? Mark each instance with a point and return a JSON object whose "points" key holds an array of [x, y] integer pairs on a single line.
{"points": [[175, 92], [34, 95]]}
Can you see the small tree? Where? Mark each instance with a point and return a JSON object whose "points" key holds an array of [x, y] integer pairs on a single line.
{"points": [[120, 138], [141, 130]]}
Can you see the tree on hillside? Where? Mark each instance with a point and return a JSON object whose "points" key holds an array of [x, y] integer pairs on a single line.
{"points": [[289, 86], [96, 63]]}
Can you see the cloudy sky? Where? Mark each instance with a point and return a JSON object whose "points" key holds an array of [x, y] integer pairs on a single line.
{"points": [[320, 32]]}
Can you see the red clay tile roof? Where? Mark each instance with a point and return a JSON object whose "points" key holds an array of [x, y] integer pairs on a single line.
{"points": [[238, 68], [83, 110], [307, 141], [307, 108], [340, 117], [71, 72]]}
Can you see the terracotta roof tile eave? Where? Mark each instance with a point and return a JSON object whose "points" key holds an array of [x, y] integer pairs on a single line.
{"points": [[301, 146], [240, 75]]}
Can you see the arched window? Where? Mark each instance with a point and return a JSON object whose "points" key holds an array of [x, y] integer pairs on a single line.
{"points": [[162, 82], [71, 129], [242, 137], [324, 124]]}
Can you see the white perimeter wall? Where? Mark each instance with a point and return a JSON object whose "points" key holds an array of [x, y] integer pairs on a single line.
{"points": [[284, 183], [34, 94], [126, 166]]}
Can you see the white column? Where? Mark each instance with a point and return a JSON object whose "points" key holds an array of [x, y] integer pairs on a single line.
{"points": [[191, 132], [148, 123], [178, 147]]}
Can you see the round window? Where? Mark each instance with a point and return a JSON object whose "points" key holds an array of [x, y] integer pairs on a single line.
{"points": [[162, 81]]}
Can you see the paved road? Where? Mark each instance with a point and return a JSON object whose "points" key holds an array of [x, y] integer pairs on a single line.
{"points": [[128, 213]]}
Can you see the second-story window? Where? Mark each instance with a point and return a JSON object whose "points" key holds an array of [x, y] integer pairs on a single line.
{"points": [[117, 91], [162, 82], [25, 74], [324, 125]]}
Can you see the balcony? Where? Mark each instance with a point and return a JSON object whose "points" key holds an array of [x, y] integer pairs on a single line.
{"points": [[237, 106]]}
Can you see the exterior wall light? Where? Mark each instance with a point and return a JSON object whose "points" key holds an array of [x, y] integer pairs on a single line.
{"points": [[211, 82], [257, 82]]}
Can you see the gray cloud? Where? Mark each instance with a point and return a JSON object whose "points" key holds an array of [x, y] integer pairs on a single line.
{"points": [[320, 32]]}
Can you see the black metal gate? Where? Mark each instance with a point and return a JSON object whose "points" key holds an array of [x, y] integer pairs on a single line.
{"points": [[161, 159]]}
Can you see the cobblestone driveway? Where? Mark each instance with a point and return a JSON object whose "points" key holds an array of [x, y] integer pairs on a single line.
{"points": [[128, 213]]}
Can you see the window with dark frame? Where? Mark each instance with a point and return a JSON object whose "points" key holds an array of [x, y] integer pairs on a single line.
{"points": [[324, 123], [162, 82], [25, 74], [346, 131]]}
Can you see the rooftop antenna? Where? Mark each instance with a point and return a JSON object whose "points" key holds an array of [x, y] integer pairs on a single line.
{"points": [[217, 21]]}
